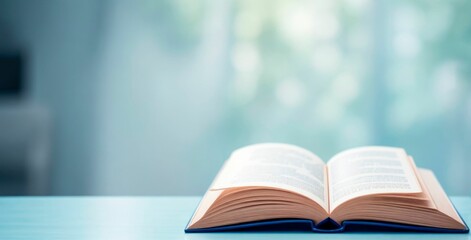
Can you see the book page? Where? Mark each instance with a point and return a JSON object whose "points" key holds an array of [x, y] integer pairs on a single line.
{"points": [[275, 165], [370, 170]]}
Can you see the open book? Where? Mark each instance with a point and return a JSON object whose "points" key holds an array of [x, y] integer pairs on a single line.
{"points": [[373, 186]]}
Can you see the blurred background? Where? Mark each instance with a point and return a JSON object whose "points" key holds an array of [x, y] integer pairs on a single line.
{"points": [[149, 97]]}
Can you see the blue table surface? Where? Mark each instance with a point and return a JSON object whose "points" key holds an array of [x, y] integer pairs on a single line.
{"points": [[146, 218]]}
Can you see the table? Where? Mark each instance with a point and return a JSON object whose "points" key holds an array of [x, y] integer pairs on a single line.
{"points": [[146, 218]]}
